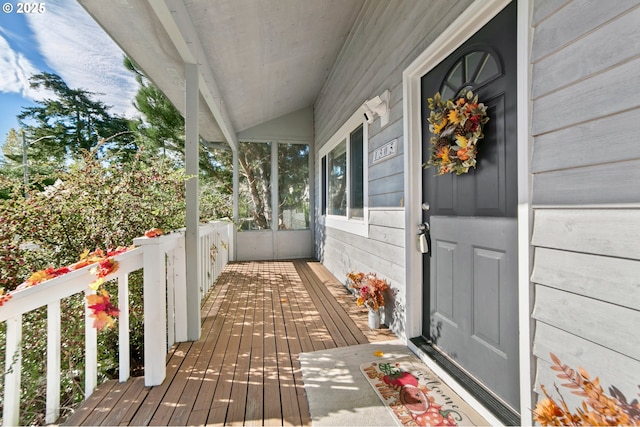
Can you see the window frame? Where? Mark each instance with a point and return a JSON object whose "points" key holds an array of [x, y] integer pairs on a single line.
{"points": [[359, 226]]}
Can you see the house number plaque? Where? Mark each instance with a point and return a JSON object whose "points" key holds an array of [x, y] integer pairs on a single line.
{"points": [[387, 150]]}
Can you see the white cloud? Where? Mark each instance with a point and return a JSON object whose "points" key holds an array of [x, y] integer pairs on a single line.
{"points": [[81, 53], [15, 70]]}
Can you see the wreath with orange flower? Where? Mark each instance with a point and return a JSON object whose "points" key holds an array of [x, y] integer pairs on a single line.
{"points": [[456, 125]]}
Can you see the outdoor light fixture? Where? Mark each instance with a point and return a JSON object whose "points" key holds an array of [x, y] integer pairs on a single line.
{"points": [[377, 106]]}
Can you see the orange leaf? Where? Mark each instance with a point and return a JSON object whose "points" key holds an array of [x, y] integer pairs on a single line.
{"points": [[154, 232], [570, 385]]}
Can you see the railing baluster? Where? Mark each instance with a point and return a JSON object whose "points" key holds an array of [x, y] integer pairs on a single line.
{"points": [[90, 350], [180, 285], [53, 362], [207, 264], [152, 258], [204, 252], [221, 260], [171, 296], [123, 327], [13, 371], [216, 262]]}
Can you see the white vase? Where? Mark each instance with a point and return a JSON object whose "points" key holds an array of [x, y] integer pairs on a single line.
{"points": [[374, 319]]}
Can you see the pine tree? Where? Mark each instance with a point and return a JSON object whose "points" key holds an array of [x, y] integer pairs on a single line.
{"points": [[70, 122]]}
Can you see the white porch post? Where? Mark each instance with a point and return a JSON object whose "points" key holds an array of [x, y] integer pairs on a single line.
{"points": [[236, 184], [275, 214], [191, 235], [233, 248]]}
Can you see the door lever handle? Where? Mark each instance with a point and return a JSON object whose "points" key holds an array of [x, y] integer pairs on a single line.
{"points": [[424, 239]]}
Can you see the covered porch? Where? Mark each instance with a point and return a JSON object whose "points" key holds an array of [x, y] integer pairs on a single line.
{"points": [[245, 369]]}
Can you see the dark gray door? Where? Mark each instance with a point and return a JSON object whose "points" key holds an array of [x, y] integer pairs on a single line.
{"points": [[470, 279]]}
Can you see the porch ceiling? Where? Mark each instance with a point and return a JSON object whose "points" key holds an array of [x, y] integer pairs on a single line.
{"points": [[258, 60]]}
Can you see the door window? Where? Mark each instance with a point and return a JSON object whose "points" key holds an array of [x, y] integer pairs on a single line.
{"points": [[471, 71]]}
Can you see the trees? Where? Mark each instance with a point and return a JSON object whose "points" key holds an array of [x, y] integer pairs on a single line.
{"points": [[108, 192], [70, 122], [162, 126], [11, 164], [98, 203], [256, 208], [255, 161]]}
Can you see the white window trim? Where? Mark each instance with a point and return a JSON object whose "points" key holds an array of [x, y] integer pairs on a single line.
{"points": [[359, 226]]}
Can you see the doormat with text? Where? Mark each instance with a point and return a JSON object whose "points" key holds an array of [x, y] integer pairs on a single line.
{"points": [[416, 396]]}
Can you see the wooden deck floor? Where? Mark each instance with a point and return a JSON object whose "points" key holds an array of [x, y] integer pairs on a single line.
{"points": [[245, 369]]}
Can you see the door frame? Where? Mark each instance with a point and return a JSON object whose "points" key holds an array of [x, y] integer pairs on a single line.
{"points": [[468, 23]]}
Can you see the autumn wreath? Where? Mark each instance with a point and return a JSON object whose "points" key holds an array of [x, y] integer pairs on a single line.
{"points": [[456, 125]]}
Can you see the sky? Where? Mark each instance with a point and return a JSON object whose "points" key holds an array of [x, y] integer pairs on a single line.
{"points": [[63, 39]]}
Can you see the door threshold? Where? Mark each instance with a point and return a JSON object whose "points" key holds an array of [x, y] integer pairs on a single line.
{"points": [[501, 411]]}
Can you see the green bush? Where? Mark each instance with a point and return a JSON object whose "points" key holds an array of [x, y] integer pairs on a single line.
{"points": [[96, 204]]}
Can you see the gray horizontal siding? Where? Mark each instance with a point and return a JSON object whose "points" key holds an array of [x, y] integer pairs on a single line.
{"points": [[574, 20], [581, 353], [543, 9], [386, 37], [589, 275], [591, 356], [386, 167], [586, 223], [388, 184], [588, 99], [613, 183], [606, 232], [386, 177], [582, 145], [591, 54], [372, 252], [387, 199], [586, 57], [609, 325], [382, 252]]}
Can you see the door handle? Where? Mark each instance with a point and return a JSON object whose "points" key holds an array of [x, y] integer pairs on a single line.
{"points": [[424, 238]]}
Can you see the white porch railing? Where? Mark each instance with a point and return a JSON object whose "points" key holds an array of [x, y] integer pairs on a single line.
{"points": [[165, 315]]}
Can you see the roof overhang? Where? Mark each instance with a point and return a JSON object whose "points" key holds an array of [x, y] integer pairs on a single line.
{"points": [[257, 60]]}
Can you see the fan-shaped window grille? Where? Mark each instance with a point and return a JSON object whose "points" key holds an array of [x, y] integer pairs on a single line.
{"points": [[470, 71]]}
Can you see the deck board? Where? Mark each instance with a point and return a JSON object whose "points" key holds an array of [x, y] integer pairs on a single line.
{"points": [[245, 369]]}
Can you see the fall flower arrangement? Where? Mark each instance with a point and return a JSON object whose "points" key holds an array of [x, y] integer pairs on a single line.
{"points": [[456, 125], [597, 408], [369, 289]]}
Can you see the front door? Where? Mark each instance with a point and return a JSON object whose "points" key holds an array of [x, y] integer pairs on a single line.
{"points": [[470, 277]]}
